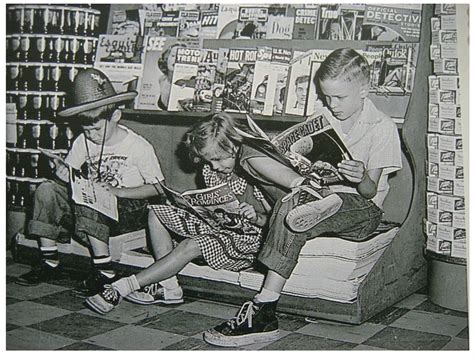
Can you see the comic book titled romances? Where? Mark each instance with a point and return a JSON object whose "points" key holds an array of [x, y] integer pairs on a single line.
{"points": [[216, 206], [312, 147]]}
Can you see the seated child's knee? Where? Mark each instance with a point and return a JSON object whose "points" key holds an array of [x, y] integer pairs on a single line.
{"points": [[46, 191]]}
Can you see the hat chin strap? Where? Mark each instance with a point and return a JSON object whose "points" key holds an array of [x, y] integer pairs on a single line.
{"points": [[101, 151]]}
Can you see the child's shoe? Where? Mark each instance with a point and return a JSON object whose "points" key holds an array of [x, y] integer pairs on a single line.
{"points": [[94, 284], [104, 301], [40, 274], [156, 294], [307, 215], [254, 323]]}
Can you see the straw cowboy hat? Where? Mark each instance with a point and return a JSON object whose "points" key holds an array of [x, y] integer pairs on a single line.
{"points": [[91, 90]]}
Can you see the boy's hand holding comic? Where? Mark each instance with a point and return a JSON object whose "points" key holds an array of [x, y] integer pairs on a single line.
{"points": [[354, 171]]}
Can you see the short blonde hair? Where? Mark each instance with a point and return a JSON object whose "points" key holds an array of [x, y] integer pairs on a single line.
{"points": [[213, 136], [344, 64]]}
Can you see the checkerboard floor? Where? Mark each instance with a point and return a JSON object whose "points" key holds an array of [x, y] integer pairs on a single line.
{"points": [[49, 317]]}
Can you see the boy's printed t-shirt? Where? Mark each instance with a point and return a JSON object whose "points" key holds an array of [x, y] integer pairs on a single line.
{"points": [[373, 140], [129, 163]]}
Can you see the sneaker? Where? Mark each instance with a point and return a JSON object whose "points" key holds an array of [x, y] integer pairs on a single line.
{"points": [[41, 274], [156, 294], [94, 284], [254, 323], [307, 215], [104, 301]]}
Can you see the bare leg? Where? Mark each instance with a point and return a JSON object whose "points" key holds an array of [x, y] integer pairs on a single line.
{"points": [[171, 264], [160, 237], [274, 282], [99, 248]]}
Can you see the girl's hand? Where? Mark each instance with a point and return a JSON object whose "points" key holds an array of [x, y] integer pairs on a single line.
{"points": [[248, 212], [354, 171]]}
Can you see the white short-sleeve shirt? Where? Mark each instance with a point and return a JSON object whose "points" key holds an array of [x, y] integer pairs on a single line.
{"points": [[129, 163], [374, 141]]}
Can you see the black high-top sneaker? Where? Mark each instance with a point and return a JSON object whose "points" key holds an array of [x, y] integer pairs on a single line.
{"points": [[94, 284], [41, 273], [254, 323]]}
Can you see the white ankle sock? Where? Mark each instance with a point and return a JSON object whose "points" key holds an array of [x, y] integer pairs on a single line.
{"points": [[266, 296], [126, 285], [170, 283]]}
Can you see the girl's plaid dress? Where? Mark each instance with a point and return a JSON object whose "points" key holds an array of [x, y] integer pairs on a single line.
{"points": [[223, 248]]}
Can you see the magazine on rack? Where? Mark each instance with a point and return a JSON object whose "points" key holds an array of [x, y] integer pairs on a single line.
{"points": [[312, 147], [217, 206]]}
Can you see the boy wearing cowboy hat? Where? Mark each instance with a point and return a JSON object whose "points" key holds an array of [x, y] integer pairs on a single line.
{"points": [[108, 153]]}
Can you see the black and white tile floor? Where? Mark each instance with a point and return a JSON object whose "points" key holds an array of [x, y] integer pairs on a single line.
{"points": [[48, 317]]}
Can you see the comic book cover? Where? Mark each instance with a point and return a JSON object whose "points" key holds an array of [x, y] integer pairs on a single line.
{"points": [[252, 22], [240, 68], [280, 22], [184, 79], [158, 67], [149, 19], [394, 71], [340, 22], [209, 20], [305, 22], [205, 81], [277, 81], [165, 26], [227, 21], [259, 93], [400, 23], [298, 83], [189, 24], [217, 206], [311, 147], [120, 58]]}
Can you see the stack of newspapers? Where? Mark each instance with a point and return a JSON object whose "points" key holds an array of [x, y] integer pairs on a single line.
{"points": [[328, 268]]}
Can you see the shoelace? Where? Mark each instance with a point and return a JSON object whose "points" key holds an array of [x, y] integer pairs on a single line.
{"points": [[308, 189], [110, 294], [152, 289], [246, 313]]}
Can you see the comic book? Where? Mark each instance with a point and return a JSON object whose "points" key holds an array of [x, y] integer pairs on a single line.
{"points": [[340, 22], [183, 83], [252, 22], [240, 69], [259, 93], [124, 20], [164, 26], [155, 81], [149, 20], [393, 72], [305, 22], [189, 24], [209, 20], [120, 58], [280, 22], [206, 85], [312, 147], [277, 81], [400, 23], [217, 206]]}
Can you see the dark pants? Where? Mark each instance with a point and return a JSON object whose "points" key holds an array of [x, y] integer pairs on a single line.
{"points": [[356, 219], [55, 216]]}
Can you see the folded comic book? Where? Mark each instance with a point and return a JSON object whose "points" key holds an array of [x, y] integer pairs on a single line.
{"points": [[217, 206], [311, 147]]}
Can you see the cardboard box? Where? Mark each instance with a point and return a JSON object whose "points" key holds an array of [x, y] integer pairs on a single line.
{"points": [[433, 110], [448, 82], [449, 111], [439, 217], [435, 24], [439, 246], [441, 186], [432, 200], [450, 233], [450, 203], [449, 50], [450, 172], [430, 229], [432, 141], [450, 142], [441, 125], [459, 220], [432, 169], [441, 156], [444, 36], [445, 66], [448, 22], [435, 52]]}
